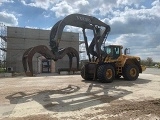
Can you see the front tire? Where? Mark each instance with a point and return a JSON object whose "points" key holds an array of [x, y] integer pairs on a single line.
{"points": [[106, 73], [130, 72]]}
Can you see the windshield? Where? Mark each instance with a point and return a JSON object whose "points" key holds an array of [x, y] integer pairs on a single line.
{"points": [[107, 50]]}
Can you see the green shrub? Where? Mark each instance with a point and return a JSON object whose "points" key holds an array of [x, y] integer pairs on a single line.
{"points": [[2, 70]]}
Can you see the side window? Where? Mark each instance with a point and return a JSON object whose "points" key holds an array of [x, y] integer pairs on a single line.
{"points": [[117, 50]]}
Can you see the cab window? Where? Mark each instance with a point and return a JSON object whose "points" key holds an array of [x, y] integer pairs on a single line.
{"points": [[107, 50], [116, 52]]}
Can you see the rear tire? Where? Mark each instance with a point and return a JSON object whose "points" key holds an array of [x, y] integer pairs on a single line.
{"points": [[130, 72], [106, 73], [84, 74]]}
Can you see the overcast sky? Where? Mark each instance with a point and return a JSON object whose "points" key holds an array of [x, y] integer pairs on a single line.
{"points": [[134, 23]]}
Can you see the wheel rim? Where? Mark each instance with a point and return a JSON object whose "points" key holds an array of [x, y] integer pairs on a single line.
{"points": [[109, 74], [133, 72]]}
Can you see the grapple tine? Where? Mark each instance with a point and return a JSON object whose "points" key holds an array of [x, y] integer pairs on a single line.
{"points": [[77, 57], [28, 55], [30, 65], [43, 50], [24, 64], [70, 62], [24, 59]]}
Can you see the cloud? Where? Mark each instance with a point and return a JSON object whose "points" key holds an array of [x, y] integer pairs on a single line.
{"points": [[129, 2], [89, 7], [134, 21], [44, 4], [63, 9], [137, 29], [8, 19], [6, 1]]}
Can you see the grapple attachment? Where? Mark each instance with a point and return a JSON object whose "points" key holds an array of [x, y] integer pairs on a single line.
{"points": [[48, 54]]}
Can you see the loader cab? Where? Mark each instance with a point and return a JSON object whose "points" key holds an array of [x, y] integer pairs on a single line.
{"points": [[113, 51]]}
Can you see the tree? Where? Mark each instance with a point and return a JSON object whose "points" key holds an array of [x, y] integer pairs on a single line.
{"points": [[144, 62], [149, 61]]}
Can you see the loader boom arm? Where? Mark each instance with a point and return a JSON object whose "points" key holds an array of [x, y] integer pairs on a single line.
{"points": [[82, 21]]}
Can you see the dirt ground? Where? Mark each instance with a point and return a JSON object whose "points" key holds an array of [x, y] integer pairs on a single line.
{"points": [[69, 97]]}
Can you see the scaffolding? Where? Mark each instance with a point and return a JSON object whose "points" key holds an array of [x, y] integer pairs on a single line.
{"points": [[82, 50], [3, 45]]}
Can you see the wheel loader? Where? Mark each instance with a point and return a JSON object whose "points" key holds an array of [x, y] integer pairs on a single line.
{"points": [[112, 65], [105, 62]]}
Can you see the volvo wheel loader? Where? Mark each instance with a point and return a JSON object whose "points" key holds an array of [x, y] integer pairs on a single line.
{"points": [[105, 62]]}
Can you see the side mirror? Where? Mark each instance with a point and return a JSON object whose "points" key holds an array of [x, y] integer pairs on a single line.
{"points": [[127, 51]]}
